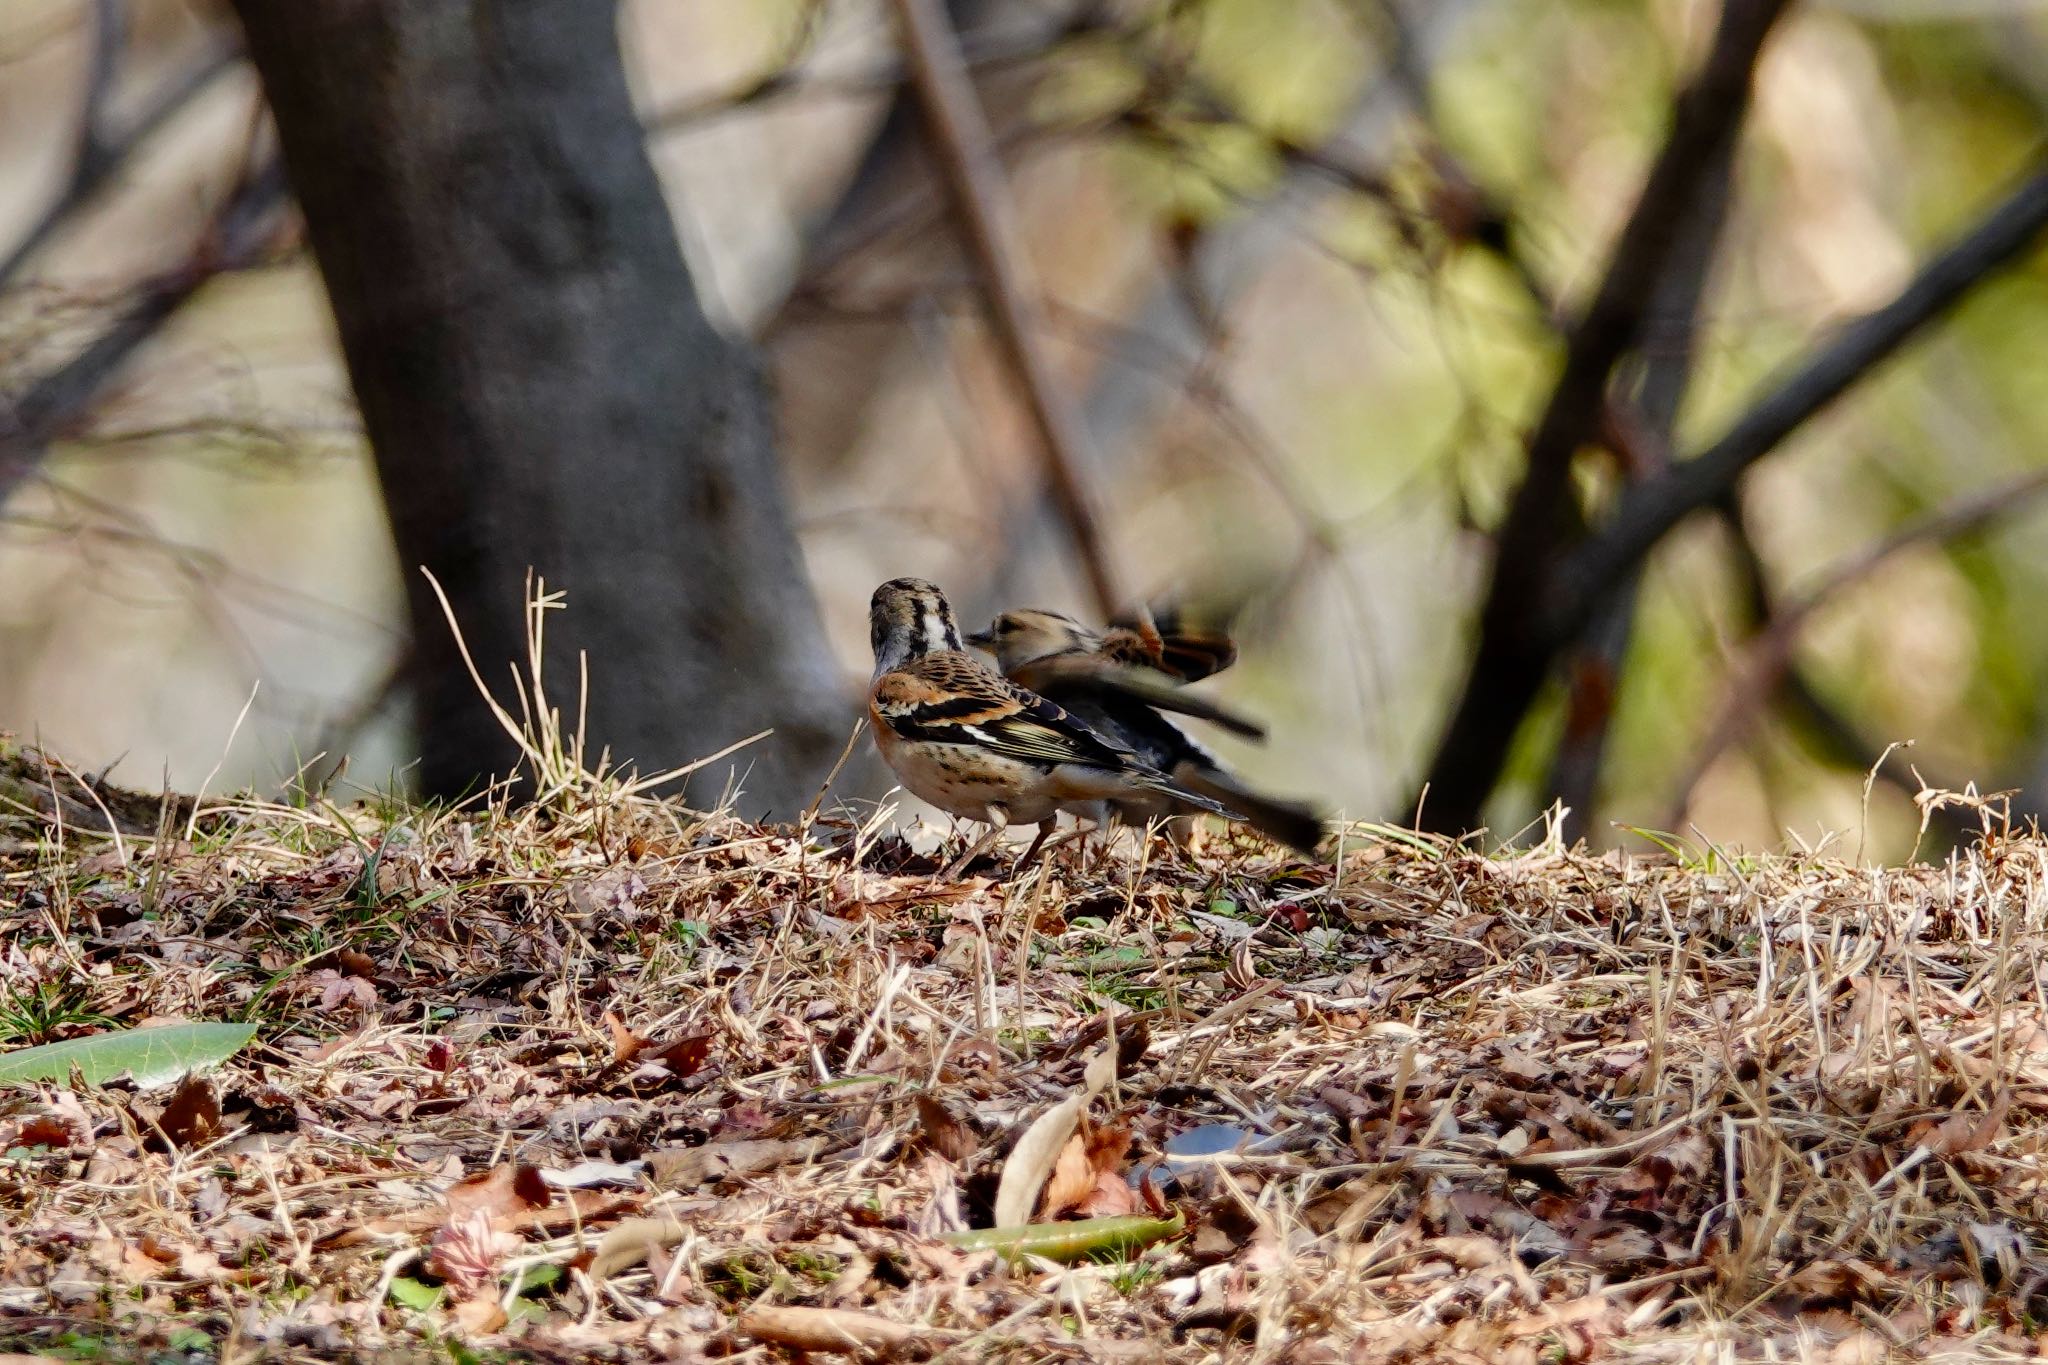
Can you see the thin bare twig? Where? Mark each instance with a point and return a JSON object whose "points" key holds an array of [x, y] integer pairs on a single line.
{"points": [[1647, 513], [1832, 736], [102, 151], [1180, 318], [786, 76], [974, 180], [1761, 665], [1511, 659], [235, 239]]}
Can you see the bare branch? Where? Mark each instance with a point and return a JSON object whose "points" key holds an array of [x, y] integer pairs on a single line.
{"points": [[1815, 721], [234, 240], [1647, 513], [1178, 318], [101, 152], [1760, 668], [1641, 433], [785, 77], [1512, 660], [981, 197], [110, 31]]}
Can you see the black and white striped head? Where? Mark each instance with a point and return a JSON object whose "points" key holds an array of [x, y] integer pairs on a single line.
{"points": [[907, 618]]}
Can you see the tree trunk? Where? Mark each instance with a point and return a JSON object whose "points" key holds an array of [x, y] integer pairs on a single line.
{"points": [[542, 388]]}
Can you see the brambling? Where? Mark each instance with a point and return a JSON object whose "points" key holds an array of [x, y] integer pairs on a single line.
{"points": [[966, 739], [1143, 656], [1090, 674]]}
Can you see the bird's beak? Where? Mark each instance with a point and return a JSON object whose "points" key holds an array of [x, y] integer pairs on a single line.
{"points": [[983, 639]]}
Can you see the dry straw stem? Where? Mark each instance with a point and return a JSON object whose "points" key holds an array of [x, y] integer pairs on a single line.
{"points": [[605, 1076], [561, 769]]}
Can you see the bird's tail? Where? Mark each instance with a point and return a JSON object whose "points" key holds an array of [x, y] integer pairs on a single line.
{"points": [[1174, 786], [1291, 823]]}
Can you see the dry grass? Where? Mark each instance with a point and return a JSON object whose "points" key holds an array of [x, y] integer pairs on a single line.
{"points": [[1536, 1106]]}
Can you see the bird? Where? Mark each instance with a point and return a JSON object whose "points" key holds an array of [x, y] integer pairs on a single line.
{"points": [[1144, 656], [969, 741], [1099, 677], [1173, 638]]}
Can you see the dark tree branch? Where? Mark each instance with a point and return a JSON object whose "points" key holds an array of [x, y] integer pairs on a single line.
{"points": [[981, 197], [1593, 665], [235, 240], [1815, 721], [102, 151], [110, 31], [1647, 513], [1512, 658], [1760, 669]]}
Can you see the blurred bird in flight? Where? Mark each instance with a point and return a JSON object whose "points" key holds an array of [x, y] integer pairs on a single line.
{"points": [[1118, 680]]}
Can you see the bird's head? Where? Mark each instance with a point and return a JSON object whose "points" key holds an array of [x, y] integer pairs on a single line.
{"points": [[1018, 638], [908, 617]]}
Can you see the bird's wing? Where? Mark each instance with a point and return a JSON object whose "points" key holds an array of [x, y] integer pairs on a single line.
{"points": [[1062, 674], [1175, 639], [949, 698]]}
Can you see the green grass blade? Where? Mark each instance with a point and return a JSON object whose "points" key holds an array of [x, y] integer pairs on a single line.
{"points": [[1091, 1237]]}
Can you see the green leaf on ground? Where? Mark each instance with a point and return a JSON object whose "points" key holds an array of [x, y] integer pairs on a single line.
{"points": [[1090, 1237], [416, 1294], [152, 1056]]}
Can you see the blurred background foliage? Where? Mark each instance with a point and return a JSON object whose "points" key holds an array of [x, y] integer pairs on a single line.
{"points": [[1300, 260]]}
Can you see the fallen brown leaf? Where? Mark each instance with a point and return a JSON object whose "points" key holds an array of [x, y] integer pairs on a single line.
{"points": [[945, 1133], [683, 1168], [833, 1329], [40, 1130], [479, 1315], [513, 1194], [1848, 1280], [682, 1057], [629, 1243], [1112, 1197], [1965, 1131], [626, 1044], [1089, 1170], [192, 1118], [338, 989], [1071, 1178], [509, 1187], [1031, 1162]]}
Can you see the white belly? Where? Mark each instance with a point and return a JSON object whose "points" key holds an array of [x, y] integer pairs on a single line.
{"points": [[971, 783]]}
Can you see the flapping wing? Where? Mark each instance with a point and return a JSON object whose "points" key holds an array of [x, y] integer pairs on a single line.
{"points": [[1176, 639], [1063, 674]]}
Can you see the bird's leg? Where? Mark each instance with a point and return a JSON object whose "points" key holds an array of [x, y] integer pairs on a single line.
{"points": [[1045, 828], [998, 821], [1079, 831], [1180, 832], [1093, 851], [1105, 821]]}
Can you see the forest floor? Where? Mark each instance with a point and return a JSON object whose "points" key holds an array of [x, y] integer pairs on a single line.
{"points": [[600, 1079]]}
